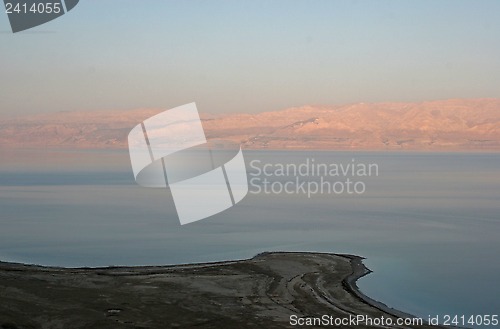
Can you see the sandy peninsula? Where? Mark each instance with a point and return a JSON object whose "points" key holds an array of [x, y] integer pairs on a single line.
{"points": [[262, 292]]}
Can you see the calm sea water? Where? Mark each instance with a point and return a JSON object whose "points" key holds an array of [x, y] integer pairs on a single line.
{"points": [[428, 224]]}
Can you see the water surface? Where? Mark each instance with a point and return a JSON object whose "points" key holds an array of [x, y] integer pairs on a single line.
{"points": [[428, 224]]}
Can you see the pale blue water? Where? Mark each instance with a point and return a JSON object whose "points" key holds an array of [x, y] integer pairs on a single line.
{"points": [[429, 224]]}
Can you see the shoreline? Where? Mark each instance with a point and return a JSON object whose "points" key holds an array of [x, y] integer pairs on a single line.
{"points": [[360, 271], [265, 290]]}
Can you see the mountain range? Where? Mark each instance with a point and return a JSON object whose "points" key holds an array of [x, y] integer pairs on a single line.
{"points": [[456, 124]]}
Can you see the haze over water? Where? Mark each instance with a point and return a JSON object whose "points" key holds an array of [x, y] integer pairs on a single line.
{"points": [[428, 223]]}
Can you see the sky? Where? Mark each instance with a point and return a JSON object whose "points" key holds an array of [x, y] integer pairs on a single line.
{"points": [[250, 56]]}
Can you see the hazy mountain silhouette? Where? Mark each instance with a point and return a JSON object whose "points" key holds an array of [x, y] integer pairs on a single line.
{"points": [[457, 124]]}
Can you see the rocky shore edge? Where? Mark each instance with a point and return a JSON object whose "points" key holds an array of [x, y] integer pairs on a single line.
{"points": [[264, 291]]}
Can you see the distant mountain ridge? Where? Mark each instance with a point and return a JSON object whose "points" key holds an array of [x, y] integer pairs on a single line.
{"points": [[456, 124]]}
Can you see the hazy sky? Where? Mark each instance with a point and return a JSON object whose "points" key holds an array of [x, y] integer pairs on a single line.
{"points": [[250, 56]]}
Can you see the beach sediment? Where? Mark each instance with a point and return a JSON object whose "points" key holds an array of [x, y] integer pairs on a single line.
{"points": [[262, 292]]}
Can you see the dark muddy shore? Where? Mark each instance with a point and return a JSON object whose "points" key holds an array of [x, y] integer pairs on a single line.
{"points": [[261, 292]]}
